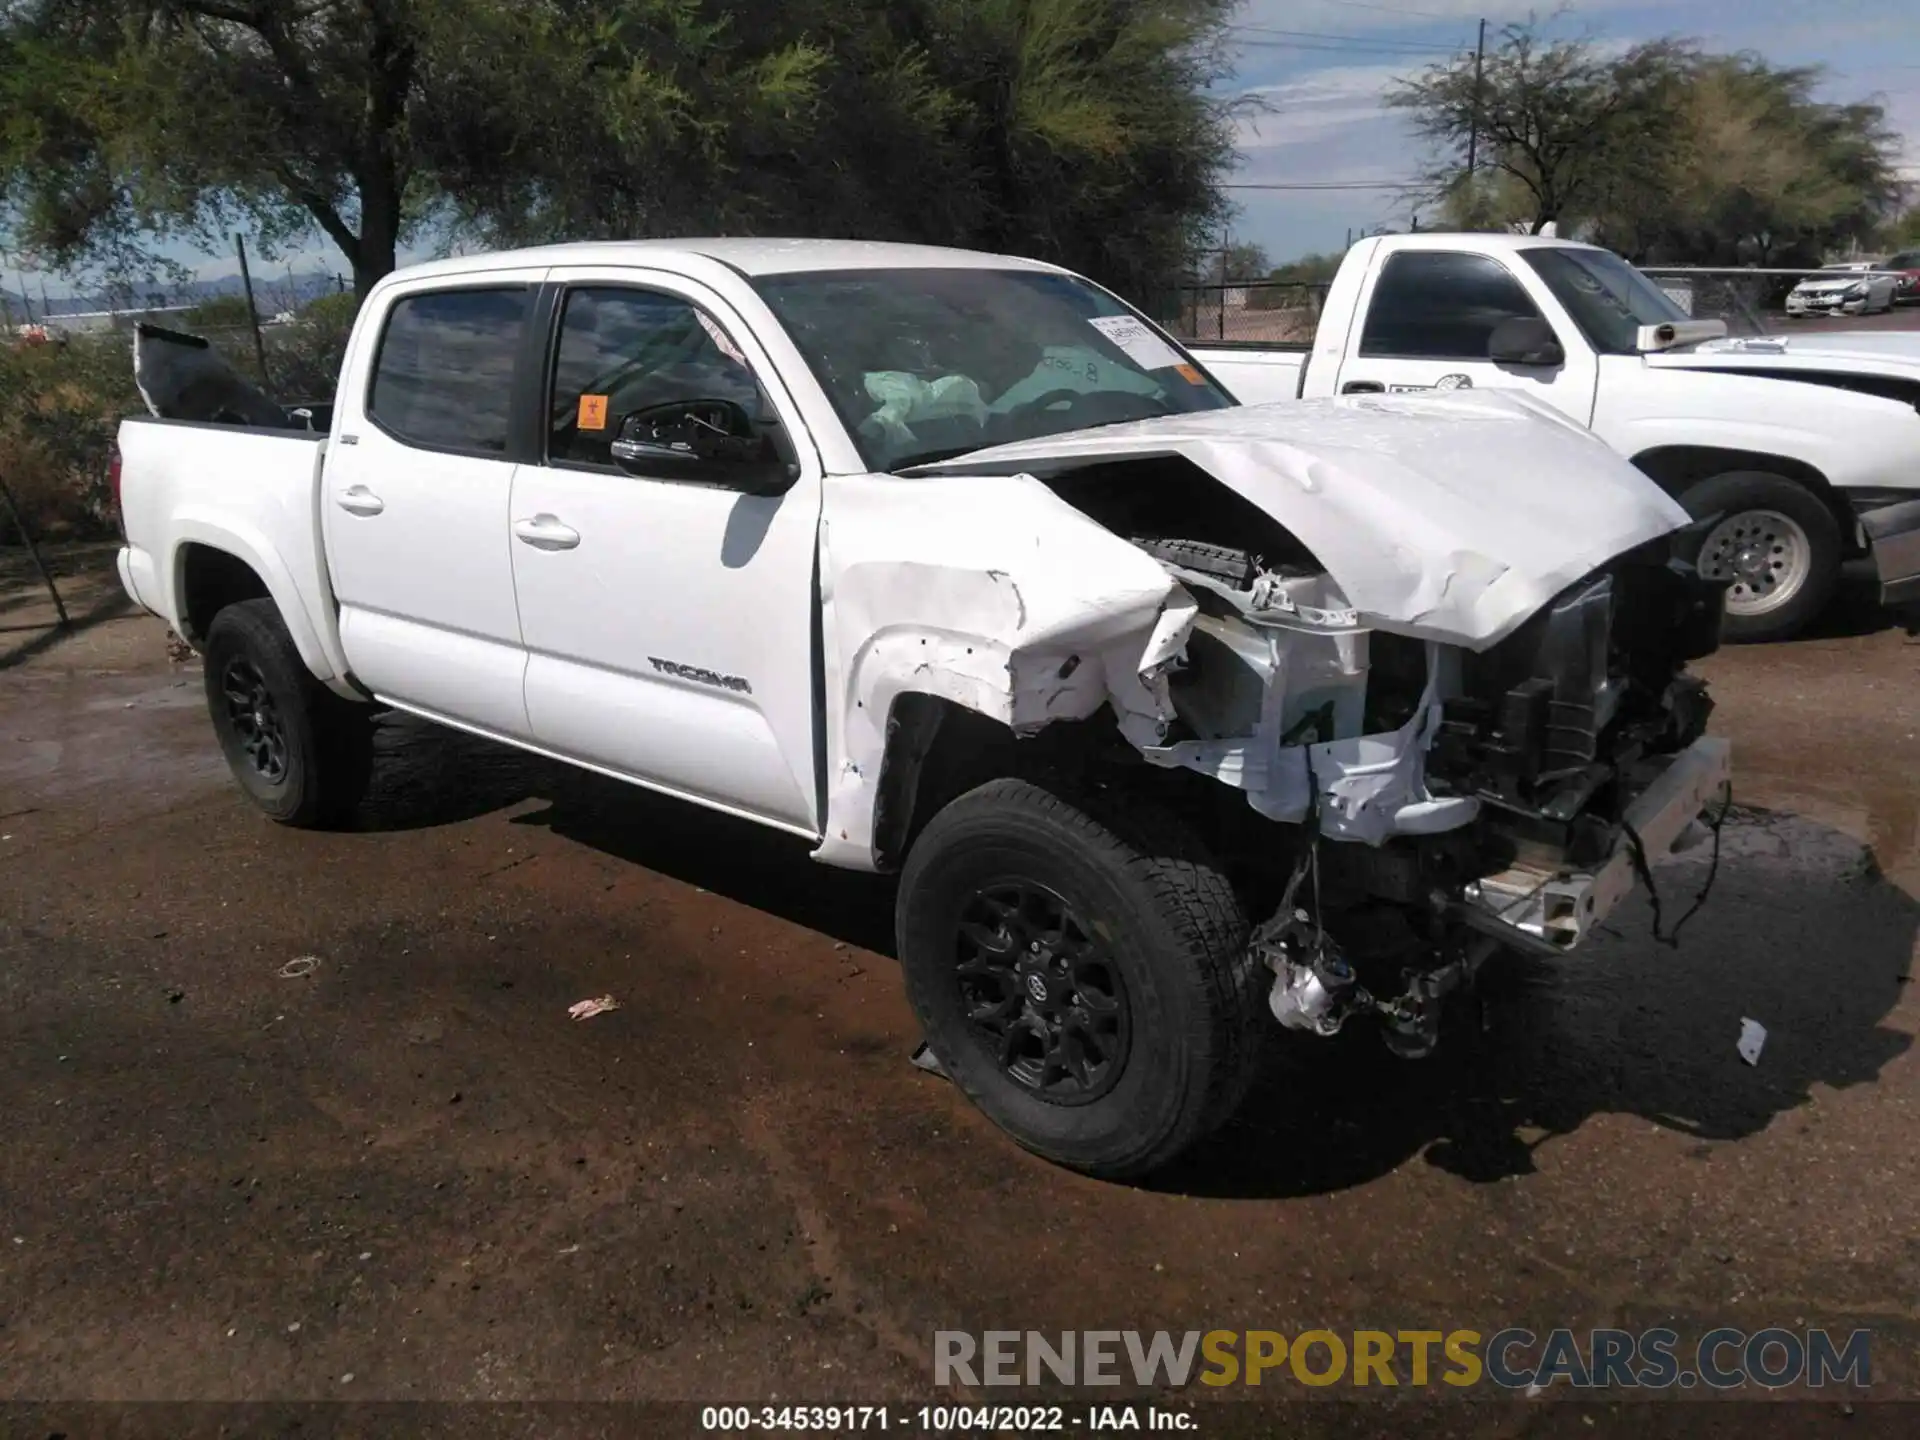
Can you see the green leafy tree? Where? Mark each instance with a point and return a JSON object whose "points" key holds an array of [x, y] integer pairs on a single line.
{"points": [[1663, 152], [1079, 130], [1555, 121]]}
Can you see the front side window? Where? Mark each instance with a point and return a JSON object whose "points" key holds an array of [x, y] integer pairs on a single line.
{"points": [[443, 377], [625, 352], [1440, 305], [925, 364], [1608, 299]]}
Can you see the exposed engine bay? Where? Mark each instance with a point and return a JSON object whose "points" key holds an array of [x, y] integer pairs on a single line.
{"points": [[1410, 805], [1490, 790]]}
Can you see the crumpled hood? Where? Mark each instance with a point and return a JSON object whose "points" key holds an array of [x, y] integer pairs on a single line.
{"points": [[1449, 517]]}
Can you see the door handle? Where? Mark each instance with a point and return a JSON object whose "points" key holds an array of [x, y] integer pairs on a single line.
{"points": [[358, 500], [1362, 387], [545, 532]]}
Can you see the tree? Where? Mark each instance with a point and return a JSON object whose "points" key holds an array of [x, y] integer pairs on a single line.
{"points": [[1557, 119], [1079, 130], [1755, 170], [1663, 152]]}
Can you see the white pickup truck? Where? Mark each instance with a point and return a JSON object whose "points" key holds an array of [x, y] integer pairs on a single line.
{"points": [[1807, 448], [1168, 712]]}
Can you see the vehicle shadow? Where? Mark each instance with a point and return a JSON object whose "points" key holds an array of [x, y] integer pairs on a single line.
{"points": [[1801, 932], [425, 776], [40, 638], [1854, 610]]}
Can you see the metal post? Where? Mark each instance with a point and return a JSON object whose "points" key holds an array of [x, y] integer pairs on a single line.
{"points": [[253, 315], [1473, 136], [26, 535]]}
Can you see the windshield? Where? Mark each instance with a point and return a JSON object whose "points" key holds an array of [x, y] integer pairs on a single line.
{"points": [[1608, 299], [926, 364]]}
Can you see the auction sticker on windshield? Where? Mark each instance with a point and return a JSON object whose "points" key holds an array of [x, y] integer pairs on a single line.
{"points": [[1136, 341]]}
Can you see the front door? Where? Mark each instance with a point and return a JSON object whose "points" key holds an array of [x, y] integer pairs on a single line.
{"points": [[418, 475], [1429, 317], [668, 617]]}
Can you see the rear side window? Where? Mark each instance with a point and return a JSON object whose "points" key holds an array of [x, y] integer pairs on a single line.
{"points": [[443, 378], [1440, 305]]}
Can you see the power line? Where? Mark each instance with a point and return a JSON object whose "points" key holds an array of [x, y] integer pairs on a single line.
{"points": [[1373, 41], [1316, 47]]}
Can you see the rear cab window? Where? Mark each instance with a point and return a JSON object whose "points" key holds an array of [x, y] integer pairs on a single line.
{"points": [[443, 374]]}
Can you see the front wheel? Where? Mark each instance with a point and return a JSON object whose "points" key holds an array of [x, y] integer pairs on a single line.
{"points": [[1085, 981], [302, 754], [1778, 545]]}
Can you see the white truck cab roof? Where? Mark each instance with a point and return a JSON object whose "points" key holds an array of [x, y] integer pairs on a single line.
{"points": [[749, 256]]}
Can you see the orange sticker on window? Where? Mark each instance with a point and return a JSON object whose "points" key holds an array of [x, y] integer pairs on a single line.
{"points": [[1191, 375], [593, 412]]}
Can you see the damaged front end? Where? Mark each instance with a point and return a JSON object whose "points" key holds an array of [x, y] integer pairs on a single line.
{"points": [[1422, 702], [1527, 789]]}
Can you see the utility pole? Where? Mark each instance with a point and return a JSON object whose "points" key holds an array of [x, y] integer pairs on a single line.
{"points": [[253, 315], [1479, 62]]}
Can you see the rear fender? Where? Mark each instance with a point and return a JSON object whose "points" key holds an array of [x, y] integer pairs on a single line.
{"points": [[317, 638]]}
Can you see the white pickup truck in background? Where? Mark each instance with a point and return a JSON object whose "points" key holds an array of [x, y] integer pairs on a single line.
{"points": [[1167, 711], [1806, 448]]}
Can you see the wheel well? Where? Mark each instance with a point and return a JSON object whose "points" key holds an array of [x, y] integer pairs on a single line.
{"points": [[1676, 467], [936, 752], [211, 580]]}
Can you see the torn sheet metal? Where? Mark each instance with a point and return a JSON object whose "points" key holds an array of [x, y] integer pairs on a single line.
{"points": [[995, 594], [1447, 517], [1367, 788]]}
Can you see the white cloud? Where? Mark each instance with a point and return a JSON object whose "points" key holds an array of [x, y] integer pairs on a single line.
{"points": [[1315, 107]]}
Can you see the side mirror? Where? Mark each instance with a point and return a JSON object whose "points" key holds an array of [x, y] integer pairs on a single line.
{"points": [[1525, 340], [711, 442]]}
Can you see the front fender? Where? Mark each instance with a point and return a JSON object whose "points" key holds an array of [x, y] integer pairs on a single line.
{"points": [[991, 594]]}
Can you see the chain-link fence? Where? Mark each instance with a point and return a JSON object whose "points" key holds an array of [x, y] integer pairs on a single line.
{"points": [[1754, 301], [1269, 312]]}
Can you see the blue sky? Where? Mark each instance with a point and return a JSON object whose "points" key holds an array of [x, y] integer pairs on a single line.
{"points": [[1328, 124], [1323, 64]]}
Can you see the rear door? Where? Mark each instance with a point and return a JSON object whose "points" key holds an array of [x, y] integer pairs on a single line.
{"points": [[415, 496], [669, 620], [1427, 317]]}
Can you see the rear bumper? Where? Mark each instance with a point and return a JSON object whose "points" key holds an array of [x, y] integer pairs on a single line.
{"points": [[138, 577], [1546, 910], [1893, 534]]}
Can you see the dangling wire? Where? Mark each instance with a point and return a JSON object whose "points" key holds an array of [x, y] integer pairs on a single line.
{"points": [[1644, 873]]}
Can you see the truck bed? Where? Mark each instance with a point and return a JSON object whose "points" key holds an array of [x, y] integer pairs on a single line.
{"points": [[1256, 374], [249, 492]]}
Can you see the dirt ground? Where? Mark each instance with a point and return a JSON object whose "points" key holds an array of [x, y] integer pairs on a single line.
{"points": [[297, 1117]]}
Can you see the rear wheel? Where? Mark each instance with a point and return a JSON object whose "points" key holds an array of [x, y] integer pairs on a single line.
{"points": [[302, 754], [1085, 981], [1778, 545]]}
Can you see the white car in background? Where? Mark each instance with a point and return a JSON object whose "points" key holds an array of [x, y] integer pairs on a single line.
{"points": [[1850, 288]]}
